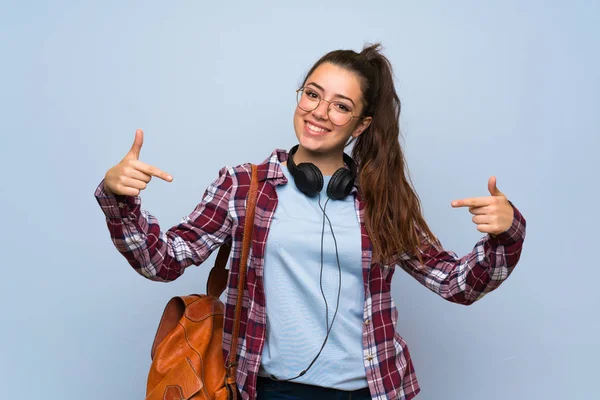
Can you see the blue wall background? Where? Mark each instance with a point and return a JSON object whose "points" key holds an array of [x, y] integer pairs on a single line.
{"points": [[503, 88]]}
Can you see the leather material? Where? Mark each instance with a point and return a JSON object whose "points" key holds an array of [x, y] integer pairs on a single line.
{"points": [[217, 278], [187, 355]]}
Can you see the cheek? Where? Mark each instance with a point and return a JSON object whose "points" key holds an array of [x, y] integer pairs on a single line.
{"points": [[297, 116], [298, 120], [299, 113], [345, 131]]}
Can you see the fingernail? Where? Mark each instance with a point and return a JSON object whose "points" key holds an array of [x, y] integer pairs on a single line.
{"points": [[454, 203]]}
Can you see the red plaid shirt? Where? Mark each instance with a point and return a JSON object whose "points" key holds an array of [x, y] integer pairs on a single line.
{"points": [[219, 217]]}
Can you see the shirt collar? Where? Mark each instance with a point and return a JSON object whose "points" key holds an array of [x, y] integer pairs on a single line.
{"points": [[270, 169]]}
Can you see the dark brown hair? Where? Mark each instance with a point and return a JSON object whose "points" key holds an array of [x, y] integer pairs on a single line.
{"points": [[393, 215]]}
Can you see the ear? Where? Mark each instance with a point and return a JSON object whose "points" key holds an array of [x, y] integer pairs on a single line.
{"points": [[362, 126]]}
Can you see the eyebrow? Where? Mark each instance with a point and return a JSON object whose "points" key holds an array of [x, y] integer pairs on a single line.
{"points": [[336, 95]]}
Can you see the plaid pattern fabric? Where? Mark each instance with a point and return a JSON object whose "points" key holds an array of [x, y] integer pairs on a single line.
{"points": [[219, 217]]}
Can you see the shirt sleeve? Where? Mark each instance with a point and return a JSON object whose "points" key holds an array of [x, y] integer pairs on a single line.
{"points": [[163, 255], [467, 279]]}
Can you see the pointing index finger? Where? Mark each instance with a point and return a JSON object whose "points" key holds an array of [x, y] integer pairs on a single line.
{"points": [[473, 202], [150, 170]]}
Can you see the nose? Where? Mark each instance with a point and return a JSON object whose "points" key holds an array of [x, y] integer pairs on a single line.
{"points": [[322, 111]]}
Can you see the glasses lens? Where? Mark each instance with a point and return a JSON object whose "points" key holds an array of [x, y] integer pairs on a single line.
{"points": [[339, 114], [308, 99]]}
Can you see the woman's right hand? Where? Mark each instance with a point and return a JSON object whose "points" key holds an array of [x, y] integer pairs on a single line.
{"points": [[130, 176]]}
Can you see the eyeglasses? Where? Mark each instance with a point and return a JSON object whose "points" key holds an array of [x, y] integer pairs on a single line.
{"points": [[339, 113]]}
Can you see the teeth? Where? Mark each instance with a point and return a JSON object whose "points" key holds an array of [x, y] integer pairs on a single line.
{"points": [[315, 128]]}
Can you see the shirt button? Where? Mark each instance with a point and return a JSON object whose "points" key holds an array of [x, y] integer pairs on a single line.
{"points": [[369, 357], [367, 322], [121, 205]]}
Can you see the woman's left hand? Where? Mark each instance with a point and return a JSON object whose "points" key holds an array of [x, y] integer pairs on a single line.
{"points": [[492, 214]]}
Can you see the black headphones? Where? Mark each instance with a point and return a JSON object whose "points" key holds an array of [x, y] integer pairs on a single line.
{"points": [[309, 179]]}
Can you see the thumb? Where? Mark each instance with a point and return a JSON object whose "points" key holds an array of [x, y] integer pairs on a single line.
{"points": [[136, 147], [493, 188]]}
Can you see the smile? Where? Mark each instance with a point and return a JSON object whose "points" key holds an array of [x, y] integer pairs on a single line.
{"points": [[315, 129]]}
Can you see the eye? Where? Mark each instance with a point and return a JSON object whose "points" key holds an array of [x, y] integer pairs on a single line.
{"points": [[311, 94], [341, 107]]}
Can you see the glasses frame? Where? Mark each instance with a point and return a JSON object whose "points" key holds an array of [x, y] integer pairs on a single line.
{"points": [[298, 96]]}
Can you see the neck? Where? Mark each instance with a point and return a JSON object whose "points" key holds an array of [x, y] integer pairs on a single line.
{"points": [[327, 163]]}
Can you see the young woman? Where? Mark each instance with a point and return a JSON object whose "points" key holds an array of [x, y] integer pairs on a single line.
{"points": [[330, 230]]}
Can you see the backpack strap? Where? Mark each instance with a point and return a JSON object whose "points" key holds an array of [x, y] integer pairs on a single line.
{"points": [[231, 363], [217, 278], [218, 275]]}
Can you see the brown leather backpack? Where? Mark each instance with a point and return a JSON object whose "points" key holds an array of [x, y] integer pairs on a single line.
{"points": [[187, 356]]}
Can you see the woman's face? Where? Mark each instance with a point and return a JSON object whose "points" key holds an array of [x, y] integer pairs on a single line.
{"points": [[314, 129]]}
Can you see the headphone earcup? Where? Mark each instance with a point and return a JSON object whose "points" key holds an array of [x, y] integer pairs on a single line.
{"points": [[341, 184], [308, 179]]}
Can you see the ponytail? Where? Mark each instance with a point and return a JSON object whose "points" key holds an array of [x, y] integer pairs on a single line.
{"points": [[393, 215]]}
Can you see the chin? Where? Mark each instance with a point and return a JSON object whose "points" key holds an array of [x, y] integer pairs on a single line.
{"points": [[312, 144]]}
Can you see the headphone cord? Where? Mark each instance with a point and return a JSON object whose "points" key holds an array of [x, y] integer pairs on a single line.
{"points": [[329, 327], [339, 269]]}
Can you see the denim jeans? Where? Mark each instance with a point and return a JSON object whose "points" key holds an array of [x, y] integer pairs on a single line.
{"points": [[268, 389]]}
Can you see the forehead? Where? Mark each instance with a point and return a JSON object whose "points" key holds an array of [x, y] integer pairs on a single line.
{"points": [[336, 80]]}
